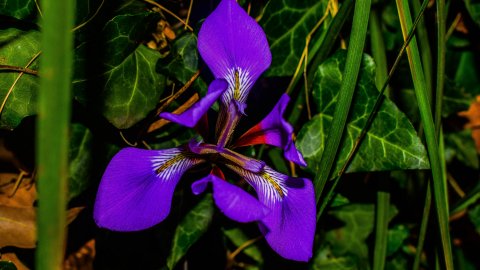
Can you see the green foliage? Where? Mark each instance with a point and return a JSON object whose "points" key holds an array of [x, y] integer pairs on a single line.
{"points": [[190, 229], [17, 49], [18, 9], [287, 24], [473, 8], [349, 240], [238, 237], [6, 265], [390, 144]]}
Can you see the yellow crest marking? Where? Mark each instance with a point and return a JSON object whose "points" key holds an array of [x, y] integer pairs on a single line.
{"points": [[275, 185]]}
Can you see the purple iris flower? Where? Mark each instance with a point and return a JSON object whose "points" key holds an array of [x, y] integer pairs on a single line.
{"points": [[137, 187]]}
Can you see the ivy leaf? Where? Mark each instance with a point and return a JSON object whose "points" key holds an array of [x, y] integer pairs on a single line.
{"points": [[460, 145], [325, 260], [19, 9], [190, 229], [131, 89], [350, 239], [17, 49], [80, 156], [287, 24], [120, 80], [396, 237], [391, 142], [182, 62]]}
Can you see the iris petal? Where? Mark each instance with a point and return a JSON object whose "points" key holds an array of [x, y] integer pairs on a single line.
{"points": [[234, 47], [191, 116], [233, 201], [137, 187], [290, 227], [276, 131]]}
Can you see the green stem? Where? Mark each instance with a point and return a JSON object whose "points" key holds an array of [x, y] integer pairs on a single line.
{"points": [[421, 92], [378, 51], [381, 230], [52, 131], [346, 91], [423, 227]]}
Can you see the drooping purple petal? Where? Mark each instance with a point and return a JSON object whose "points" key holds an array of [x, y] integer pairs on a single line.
{"points": [[191, 116], [276, 131], [290, 226], [233, 201], [235, 48], [136, 189]]}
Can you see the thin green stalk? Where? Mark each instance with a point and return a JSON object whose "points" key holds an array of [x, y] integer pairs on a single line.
{"points": [[421, 92], [424, 46], [423, 227], [378, 51], [441, 51], [52, 131], [346, 91], [381, 230]]}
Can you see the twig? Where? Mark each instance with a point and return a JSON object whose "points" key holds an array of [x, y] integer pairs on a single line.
{"points": [[16, 80], [162, 122], [179, 92], [169, 12], [18, 69]]}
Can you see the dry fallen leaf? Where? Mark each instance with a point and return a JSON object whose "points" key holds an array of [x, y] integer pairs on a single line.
{"points": [[17, 227], [82, 259], [473, 116]]}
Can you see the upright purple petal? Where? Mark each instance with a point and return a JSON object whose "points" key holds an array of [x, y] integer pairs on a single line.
{"points": [[276, 131], [233, 201], [235, 48], [290, 227], [136, 189], [191, 116]]}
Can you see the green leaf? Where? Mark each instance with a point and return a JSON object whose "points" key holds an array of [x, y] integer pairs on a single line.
{"points": [[182, 62], [460, 145], [131, 89], [325, 260], [351, 238], [396, 237], [6, 265], [287, 24], [18, 48], [80, 157], [391, 142], [190, 229], [473, 8], [120, 81], [238, 237], [19, 9], [474, 215]]}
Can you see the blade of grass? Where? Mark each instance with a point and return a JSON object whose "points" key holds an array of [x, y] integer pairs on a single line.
{"points": [[381, 230], [352, 67], [420, 86], [378, 51], [425, 50], [372, 114], [423, 227], [52, 131]]}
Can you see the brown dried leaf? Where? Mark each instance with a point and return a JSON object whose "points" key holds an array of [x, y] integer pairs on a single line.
{"points": [[473, 116], [17, 227], [82, 259]]}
